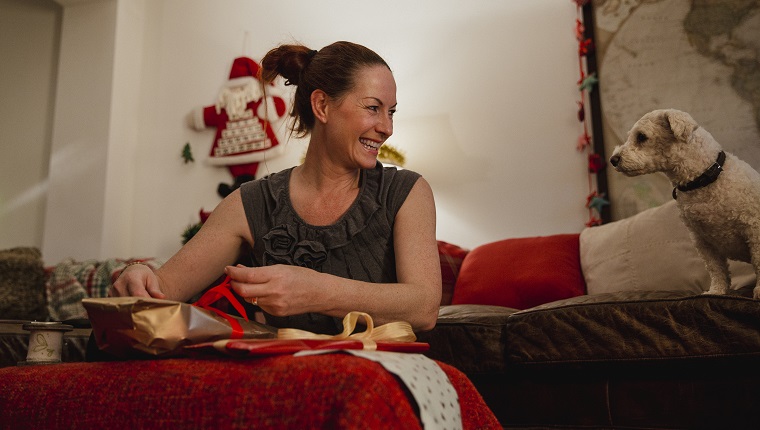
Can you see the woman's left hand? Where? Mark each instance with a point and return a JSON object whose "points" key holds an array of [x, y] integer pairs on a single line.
{"points": [[281, 290]]}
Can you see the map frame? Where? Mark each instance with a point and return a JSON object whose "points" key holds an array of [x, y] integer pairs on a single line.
{"points": [[628, 196]]}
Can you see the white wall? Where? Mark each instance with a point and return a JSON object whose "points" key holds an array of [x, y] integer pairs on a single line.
{"points": [[81, 141], [487, 106], [27, 92]]}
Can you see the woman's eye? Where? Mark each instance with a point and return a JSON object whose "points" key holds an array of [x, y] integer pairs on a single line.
{"points": [[373, 108]]}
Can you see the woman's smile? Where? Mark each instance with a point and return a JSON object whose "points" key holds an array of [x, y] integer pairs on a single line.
{"points": [[371, 145]]}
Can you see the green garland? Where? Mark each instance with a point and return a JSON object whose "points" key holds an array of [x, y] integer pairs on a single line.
{"points": [[391, 155], [190, 231]]}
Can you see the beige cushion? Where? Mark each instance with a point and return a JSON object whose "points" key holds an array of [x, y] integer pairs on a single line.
{"points": [[648, 251]]}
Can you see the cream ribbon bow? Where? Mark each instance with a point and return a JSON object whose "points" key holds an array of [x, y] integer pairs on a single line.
{"points": [[397, 331]]}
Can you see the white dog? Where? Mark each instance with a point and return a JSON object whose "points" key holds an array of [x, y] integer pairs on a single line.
{"points": [[718, 194]]}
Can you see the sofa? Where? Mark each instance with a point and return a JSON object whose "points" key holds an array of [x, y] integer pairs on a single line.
{"points": [[607, 328]]}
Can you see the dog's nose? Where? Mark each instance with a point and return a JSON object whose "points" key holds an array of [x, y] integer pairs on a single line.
{"points": [[614, 160]]}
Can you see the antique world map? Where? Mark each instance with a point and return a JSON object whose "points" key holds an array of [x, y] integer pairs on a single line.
{"points": [[699, 56]]}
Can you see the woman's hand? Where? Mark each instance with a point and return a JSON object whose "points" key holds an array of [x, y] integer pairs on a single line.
{"points": [[281, 290], [137, 280]]}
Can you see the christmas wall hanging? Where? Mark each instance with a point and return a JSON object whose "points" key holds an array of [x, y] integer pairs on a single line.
{"points": [[590, 143], [242, 116]]}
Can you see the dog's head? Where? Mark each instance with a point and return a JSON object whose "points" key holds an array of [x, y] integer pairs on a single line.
{"points": [[659, 142]]}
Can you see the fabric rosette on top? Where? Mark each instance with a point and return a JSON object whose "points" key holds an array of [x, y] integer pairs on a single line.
{"points": [[281, 246]]}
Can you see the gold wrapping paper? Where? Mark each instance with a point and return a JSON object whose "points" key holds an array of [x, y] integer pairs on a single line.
{"points": [[130, 326]]}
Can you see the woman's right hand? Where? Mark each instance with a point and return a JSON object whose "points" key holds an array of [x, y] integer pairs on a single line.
{"points": [[137, 280]]}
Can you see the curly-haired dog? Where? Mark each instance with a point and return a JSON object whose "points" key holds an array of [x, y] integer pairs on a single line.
{"points": [[718, 194]]}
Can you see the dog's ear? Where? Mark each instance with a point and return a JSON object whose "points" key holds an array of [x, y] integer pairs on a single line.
{"points": [[681, 124]]}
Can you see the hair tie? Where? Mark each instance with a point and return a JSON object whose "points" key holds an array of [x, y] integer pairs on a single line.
{"points": [[309, 56]]}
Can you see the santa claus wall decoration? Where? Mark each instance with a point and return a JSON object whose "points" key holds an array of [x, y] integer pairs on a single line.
{"points": [[242, 116]]}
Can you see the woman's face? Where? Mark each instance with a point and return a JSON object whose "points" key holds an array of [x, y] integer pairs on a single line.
{"points": [[359, 123]]}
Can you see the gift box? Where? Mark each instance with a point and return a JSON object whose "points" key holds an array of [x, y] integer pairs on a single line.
{"points": [[129, 327]]}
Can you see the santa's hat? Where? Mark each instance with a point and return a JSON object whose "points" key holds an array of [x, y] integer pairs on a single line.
{"points": [[245, 69], [243, 66]]}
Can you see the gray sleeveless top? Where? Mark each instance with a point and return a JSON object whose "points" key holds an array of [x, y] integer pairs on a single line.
{"points": [[358, 246]]}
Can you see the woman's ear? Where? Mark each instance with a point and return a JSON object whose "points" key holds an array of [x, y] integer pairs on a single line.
{"points": [[319, 105]]}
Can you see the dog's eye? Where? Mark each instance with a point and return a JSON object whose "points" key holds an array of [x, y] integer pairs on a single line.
{"points": [[641, 138]]}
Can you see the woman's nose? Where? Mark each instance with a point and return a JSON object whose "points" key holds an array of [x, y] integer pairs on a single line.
{"points": [[385, 126]]}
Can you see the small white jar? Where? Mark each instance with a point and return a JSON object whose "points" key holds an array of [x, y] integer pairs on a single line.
{"points": [[45, 342]]}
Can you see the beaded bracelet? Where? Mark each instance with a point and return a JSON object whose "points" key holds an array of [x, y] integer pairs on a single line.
{"points": [[133, 263]]}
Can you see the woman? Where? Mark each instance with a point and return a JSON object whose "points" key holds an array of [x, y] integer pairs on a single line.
{"points": [[338, 233]]}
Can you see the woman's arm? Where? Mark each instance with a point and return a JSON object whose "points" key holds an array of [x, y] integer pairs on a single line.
{"points": [[289, 290], [417, 261], [198, 263]]}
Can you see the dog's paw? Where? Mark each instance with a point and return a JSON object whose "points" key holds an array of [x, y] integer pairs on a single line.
{"points": [[718, 290]]}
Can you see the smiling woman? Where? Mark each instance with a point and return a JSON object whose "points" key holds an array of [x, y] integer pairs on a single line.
{"points": [[340, 232]]}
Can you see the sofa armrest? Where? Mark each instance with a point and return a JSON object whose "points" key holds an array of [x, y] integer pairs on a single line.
{"points": [[469, 337]]}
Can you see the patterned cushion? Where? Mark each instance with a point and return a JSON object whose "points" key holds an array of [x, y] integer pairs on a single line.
{"points": [[22, 285], [71, 281]]}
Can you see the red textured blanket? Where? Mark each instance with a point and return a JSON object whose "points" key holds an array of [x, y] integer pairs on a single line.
{"points": [[323, 391]]}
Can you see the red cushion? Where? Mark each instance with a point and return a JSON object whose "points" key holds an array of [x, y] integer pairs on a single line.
{"points": [[521, 273], [451, 261]]}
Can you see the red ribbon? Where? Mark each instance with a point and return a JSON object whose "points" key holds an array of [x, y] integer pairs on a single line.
{"points": [[224, 290]]}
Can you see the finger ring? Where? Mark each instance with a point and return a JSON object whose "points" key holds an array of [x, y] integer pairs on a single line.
{"points": [[254, 301]]}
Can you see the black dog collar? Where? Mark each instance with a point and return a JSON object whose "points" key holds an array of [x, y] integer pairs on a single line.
{"points": [[705, 179]]}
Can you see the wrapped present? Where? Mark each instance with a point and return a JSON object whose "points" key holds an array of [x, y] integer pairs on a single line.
{"points": [[129, 327]]}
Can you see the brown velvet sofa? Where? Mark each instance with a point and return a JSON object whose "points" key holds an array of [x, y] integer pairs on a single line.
{"points": [[633, 360], [603, 329], [643, 348]]}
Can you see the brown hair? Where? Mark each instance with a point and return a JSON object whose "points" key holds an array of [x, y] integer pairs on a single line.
{"points": [[332, 70]]}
